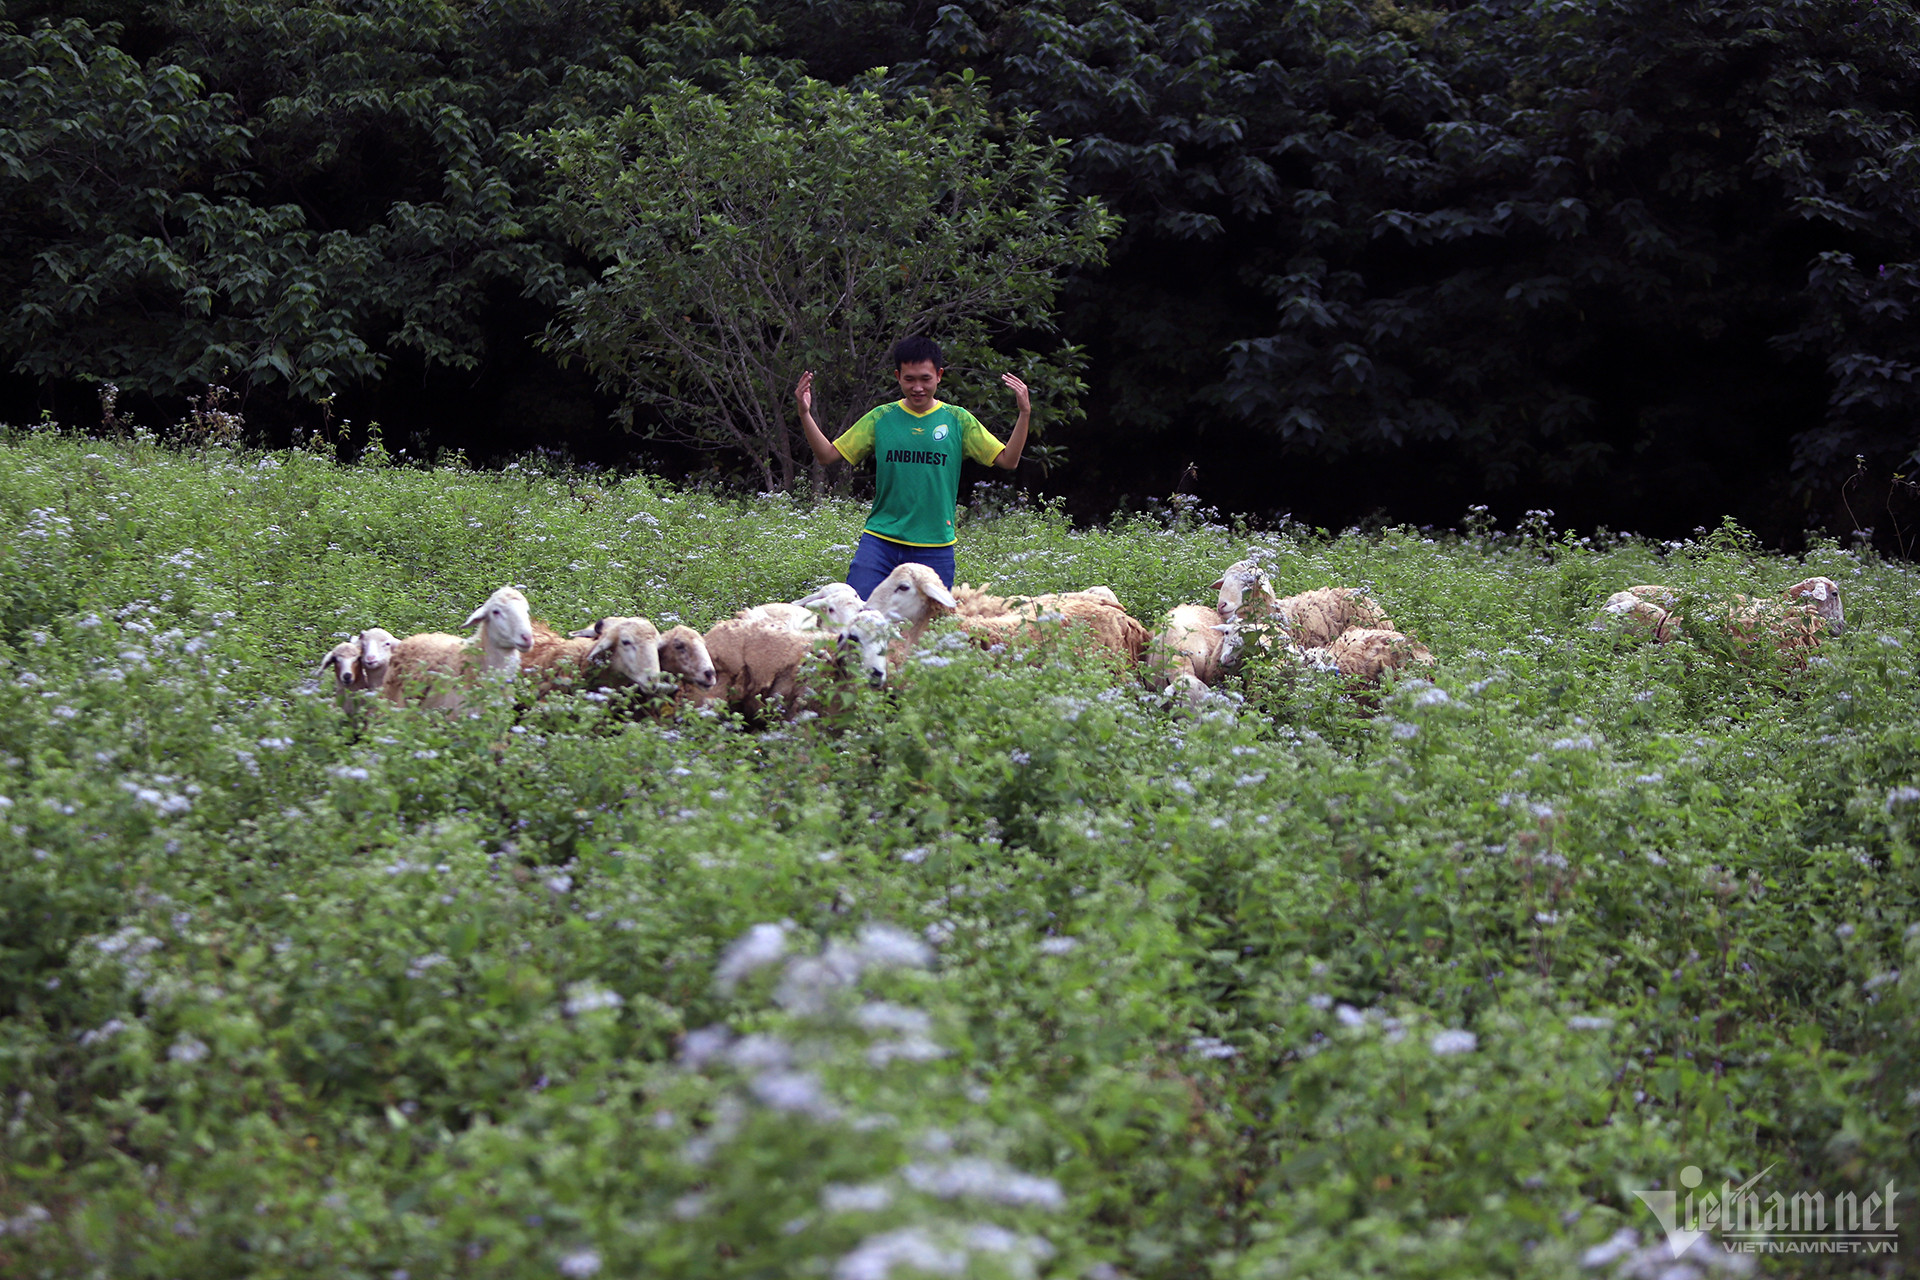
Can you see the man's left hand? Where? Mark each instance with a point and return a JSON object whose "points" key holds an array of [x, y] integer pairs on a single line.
{"points": [[1019, 388]]}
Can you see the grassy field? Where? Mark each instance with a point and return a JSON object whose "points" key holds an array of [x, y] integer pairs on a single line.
{"points": [[1012, 970]]}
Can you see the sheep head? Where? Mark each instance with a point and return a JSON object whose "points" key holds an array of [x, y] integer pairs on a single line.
{"points": [[376, 653], [343, 660], [683, 652], [1821, 596], [867, 634], [1241, 578], [910, 594], [629, 646], [836, 602], [504, 623], [1232, 640]]}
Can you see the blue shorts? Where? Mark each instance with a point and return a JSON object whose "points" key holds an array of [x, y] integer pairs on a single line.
{"points": [[875, 558]]}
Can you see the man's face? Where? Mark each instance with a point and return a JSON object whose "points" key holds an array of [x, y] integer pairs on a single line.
{"points": [[918, 381]]}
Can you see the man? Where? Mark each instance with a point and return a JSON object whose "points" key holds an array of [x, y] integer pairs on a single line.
{"points": [[917, 443]]}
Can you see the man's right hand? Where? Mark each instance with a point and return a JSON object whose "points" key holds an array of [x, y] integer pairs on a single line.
{"points": [[803, 394]]}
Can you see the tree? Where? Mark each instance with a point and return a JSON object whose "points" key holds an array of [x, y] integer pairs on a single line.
{"points": [[298, 191], [759, 232], [1614, 247]]}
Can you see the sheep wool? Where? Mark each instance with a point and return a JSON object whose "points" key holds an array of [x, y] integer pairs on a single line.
{"points": [[998, 620], [1312, 619], [1796, 621], [763, 667], [1192, 651], [1368, 652]]}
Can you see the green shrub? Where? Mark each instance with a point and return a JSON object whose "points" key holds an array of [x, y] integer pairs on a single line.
{"points": [[1424, 981]]}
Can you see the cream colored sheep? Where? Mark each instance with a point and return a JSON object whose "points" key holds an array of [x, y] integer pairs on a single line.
{"points": [[761, 665], [613, 652], [434, 668], [627, 649], [995, 619], [1194, 649], [1368, 652], [1798, 620], [1312, 619]]}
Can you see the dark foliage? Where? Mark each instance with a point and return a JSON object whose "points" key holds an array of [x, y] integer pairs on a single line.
{"points": [[1646, 263]]}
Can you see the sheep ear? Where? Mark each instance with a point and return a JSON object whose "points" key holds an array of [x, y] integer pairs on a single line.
{"points": [[588, 633], [332, 661], [1217, 584], [476, 618], [598, 651], [940, 595]]}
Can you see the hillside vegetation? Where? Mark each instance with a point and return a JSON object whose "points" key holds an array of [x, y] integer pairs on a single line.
{"points": [[1011, 969]]}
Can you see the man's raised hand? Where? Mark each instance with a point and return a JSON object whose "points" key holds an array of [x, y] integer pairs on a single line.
{"points": [[803, 393], [1019, 389]]}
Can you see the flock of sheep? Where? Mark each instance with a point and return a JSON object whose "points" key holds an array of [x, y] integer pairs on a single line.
{"points": [[786, 658]]}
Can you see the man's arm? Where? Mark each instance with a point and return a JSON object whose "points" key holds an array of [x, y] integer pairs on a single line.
{"points": [[1009, 457], [822, 447]]}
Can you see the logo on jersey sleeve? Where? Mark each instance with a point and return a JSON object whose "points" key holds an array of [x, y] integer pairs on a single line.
{"points": [[940, 432]]}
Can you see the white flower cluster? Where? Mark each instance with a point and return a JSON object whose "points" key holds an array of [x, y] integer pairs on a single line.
{"points": [[163, 802], [942, 1254], [585, 997], [988, 1181], [45, 524]]}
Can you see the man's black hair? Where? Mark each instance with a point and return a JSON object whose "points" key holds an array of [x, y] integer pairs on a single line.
{"points": [[917, 348]]}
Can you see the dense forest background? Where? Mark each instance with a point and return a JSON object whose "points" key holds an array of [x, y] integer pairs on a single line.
{"points": [[1646, 264]]}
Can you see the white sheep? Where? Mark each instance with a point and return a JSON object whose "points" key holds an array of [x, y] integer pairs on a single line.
{"points": [[835, 603], [360, 664], [615, 651], [1194, 649], [830, 607], [435, 667], [914, 595], [1644, 610]]}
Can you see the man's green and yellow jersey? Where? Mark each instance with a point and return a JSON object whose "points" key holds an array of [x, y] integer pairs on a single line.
{"points": [[916, 467]]}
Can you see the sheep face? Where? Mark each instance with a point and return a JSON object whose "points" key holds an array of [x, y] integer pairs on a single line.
{"points": [[836, 602], [1242, 579], [630, 647], [343, 663], [683, 652], [376, 655], [867, 634], [1232, 641], [1822, 596], [909, 594], [504, 621]]}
